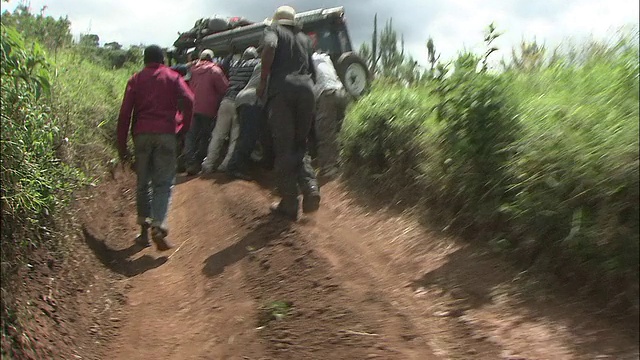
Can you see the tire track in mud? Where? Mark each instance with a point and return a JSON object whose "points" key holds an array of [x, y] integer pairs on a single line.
{"points": [[325, 318], [345, 283]]}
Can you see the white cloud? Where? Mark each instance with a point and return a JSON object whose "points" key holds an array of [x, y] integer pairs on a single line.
{"points": [[454, 24]]}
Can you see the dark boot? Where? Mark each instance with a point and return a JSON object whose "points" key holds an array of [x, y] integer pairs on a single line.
{"points": [[143, 238], [193, 169], [237, 174], [287, 207], [159, 237], [311, 197]]}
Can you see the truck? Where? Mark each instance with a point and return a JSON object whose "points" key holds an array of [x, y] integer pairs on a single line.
{"points": [[230, 36]]}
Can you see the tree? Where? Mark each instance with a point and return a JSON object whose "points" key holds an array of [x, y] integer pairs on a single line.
{"points": [[490, 35], [431, 55], [386, 57], [114, 45], [531, 57], [51, 33], [89, 40], [370, 53]]}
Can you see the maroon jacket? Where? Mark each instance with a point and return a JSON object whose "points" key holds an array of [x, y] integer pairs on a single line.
{"points": [[152, 96], [209, 86]]}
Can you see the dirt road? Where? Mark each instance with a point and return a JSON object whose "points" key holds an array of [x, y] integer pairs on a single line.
{"points": [[350, 282]]}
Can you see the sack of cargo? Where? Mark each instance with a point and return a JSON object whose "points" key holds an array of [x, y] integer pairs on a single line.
{"points": [[217, 24]]}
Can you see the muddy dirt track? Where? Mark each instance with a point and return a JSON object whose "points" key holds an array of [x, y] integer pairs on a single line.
{"points": [[350, 282]]}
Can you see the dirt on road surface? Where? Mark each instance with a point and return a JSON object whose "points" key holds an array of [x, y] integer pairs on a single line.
{"points": [[349, 282]]}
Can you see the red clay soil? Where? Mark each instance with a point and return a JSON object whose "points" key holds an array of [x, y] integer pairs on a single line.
{"points": [[350, 282]]}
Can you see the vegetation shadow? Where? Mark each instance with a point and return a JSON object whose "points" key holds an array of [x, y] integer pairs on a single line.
{"points": [[268, 228], [472, 275], [118, 260], [474, 279]]}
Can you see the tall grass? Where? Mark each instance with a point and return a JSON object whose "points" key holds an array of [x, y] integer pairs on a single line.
{"points": [[542, 160], [88, 95], [58, 132]]}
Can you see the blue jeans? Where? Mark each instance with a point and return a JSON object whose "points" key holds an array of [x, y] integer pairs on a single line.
{"points": [[156, 171], [197, 140], [250, 117]]}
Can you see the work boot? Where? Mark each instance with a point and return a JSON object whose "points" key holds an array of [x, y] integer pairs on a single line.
{"points": [[193, 169], [143, 237], [237, 174], [180, 166], [159, 237], [287, 207], [311, 198]]}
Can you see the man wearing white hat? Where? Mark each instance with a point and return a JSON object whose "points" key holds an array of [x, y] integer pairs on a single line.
{"points": [[288, 67]]}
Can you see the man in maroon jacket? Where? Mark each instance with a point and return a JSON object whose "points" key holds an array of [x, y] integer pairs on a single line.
{"points": [[162, 106], [209, 86]]}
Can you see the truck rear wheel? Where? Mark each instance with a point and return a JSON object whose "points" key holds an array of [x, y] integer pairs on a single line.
{"points": [[354, 74]]}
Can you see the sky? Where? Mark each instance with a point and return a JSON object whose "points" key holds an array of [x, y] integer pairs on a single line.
{"points": [[454, 25]]}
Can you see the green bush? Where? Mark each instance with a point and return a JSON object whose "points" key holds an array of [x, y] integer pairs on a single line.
{"points": [[58, 130], [577, 165], [34, 181], [386, 132], [479, 127], [543, 159]]}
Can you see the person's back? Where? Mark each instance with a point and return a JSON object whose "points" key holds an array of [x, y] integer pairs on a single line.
{"points": [[326, 75], [330, 108], [292, 58], [155, 100], [249, 108], [240, 73], [227, 122], [154, 96], [286, 62], [209, 86]]}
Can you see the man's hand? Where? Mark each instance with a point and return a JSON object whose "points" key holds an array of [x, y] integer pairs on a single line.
{"points": [[125, 156]]}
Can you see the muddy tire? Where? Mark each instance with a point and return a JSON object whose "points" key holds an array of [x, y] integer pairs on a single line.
{"points": [[354, 74]]}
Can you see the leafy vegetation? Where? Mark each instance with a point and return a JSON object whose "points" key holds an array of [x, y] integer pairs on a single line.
{"points": [[540, 158], [275, 310], [58, 129]]}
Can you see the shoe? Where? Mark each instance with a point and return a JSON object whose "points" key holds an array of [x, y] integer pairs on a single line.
{"points": [[143, 238], [311, 196], [180, 166], [311, 203], [289, 213], [236, 174], [143, 241], [159, 237], [193, 169], [206, 170]]}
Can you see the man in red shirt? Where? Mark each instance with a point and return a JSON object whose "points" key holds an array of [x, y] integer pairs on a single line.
{"points": [[209, 86], [162, 105]]}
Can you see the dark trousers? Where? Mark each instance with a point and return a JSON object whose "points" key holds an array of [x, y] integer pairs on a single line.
{"points": [[250, 118], [197, 139], [290, 119]]}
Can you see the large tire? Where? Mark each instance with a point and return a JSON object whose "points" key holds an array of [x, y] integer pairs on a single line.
{"points": [[354, 74]]}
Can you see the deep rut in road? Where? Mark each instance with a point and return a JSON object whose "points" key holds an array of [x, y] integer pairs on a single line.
{"points": [[350, 282]]}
